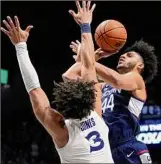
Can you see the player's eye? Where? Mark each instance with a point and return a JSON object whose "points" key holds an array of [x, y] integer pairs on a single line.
{"points": [[129, 54]]}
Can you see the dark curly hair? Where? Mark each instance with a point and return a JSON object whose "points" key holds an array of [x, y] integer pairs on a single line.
{"points": [[74, 99], [146, 51]]}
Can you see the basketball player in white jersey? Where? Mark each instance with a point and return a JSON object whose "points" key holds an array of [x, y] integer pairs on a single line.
{"points": [[79, 133]]}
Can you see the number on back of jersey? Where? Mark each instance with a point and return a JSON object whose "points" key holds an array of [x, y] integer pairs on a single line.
{"points": [[96, 143], [108, 103]]}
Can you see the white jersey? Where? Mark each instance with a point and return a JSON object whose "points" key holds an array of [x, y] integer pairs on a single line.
{"points": [[88, 141]]}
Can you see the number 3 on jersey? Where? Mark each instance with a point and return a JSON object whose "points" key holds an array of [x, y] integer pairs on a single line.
{"points": [[97, 144], [108, 103]]}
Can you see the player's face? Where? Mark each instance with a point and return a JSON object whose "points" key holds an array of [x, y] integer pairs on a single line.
{"points": [[128, 61]]}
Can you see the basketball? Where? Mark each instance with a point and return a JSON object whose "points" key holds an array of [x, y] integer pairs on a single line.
{"points": [[110, 35]]}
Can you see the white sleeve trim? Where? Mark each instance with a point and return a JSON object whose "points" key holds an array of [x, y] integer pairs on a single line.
{"points": [[135, 106]]}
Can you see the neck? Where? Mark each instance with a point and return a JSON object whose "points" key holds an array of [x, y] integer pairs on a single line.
{"points": [[123, 71]]}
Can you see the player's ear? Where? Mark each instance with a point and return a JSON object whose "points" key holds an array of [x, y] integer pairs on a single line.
{"points": [[140, 67]]}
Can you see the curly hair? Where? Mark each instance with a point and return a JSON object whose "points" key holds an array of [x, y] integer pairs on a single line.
{"points": [[74, 99], [146, 51]]}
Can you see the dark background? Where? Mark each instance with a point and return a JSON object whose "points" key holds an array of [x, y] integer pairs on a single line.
{"points": [[48, 46]]}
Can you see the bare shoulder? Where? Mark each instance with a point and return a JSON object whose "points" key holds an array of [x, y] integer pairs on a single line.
{"points": [[140, 81], [137, 78]]}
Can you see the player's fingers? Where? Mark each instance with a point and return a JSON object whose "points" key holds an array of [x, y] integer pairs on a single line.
{"points": [[101, 52], [28, 28], [11, 22], [93, 7], [17, 23], [77, 41], [112, 53], [88, 5], [7, 25], [78, 48], [74, 57], [71, 46], [5, 31], [72, 13], [84, 5], [116, 52], [74, 49], [78, 5], [99, 49], [74, 44]]}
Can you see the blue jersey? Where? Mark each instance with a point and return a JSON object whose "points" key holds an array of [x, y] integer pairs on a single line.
{"points": [[121, 114]]}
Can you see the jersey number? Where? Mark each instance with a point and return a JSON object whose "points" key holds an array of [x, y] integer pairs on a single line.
{"points": [[97, 144], [108, 103]]}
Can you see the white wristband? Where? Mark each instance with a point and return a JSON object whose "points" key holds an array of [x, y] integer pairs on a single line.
{"points": [[28, 72]]}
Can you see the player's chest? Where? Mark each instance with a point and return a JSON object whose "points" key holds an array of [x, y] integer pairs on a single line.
{"points": [[109, 98]]}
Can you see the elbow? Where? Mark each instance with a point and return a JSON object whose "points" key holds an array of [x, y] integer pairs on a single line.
{"points": [[65, 77], [39, 114]]}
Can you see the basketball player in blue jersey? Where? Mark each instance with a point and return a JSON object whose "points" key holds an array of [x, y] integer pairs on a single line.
{"points": [[123, 97], [76, 127]]}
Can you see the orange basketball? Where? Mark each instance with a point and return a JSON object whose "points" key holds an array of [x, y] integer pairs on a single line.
{"points": [[110, 35]]}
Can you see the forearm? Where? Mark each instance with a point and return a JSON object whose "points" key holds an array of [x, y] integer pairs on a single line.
{"points": [[107, 75], [37, 96], [87, 48], [73, 73], [88, 71], [130, 81], [28, 72]]}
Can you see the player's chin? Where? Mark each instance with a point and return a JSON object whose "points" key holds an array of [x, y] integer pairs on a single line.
{"points": [[120, 67]]}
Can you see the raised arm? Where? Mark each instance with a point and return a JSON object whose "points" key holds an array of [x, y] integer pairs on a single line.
{"points": [[49, 118], [84, 19], [86, 48], [129, 81]]}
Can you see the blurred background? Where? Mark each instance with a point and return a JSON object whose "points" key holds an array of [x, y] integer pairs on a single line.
{"points": [[23, 139]]}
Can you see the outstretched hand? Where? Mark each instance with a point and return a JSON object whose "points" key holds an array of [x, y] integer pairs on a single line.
{"points": [[14, 31], [75, 46], [99, 53], [84, 14]]}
